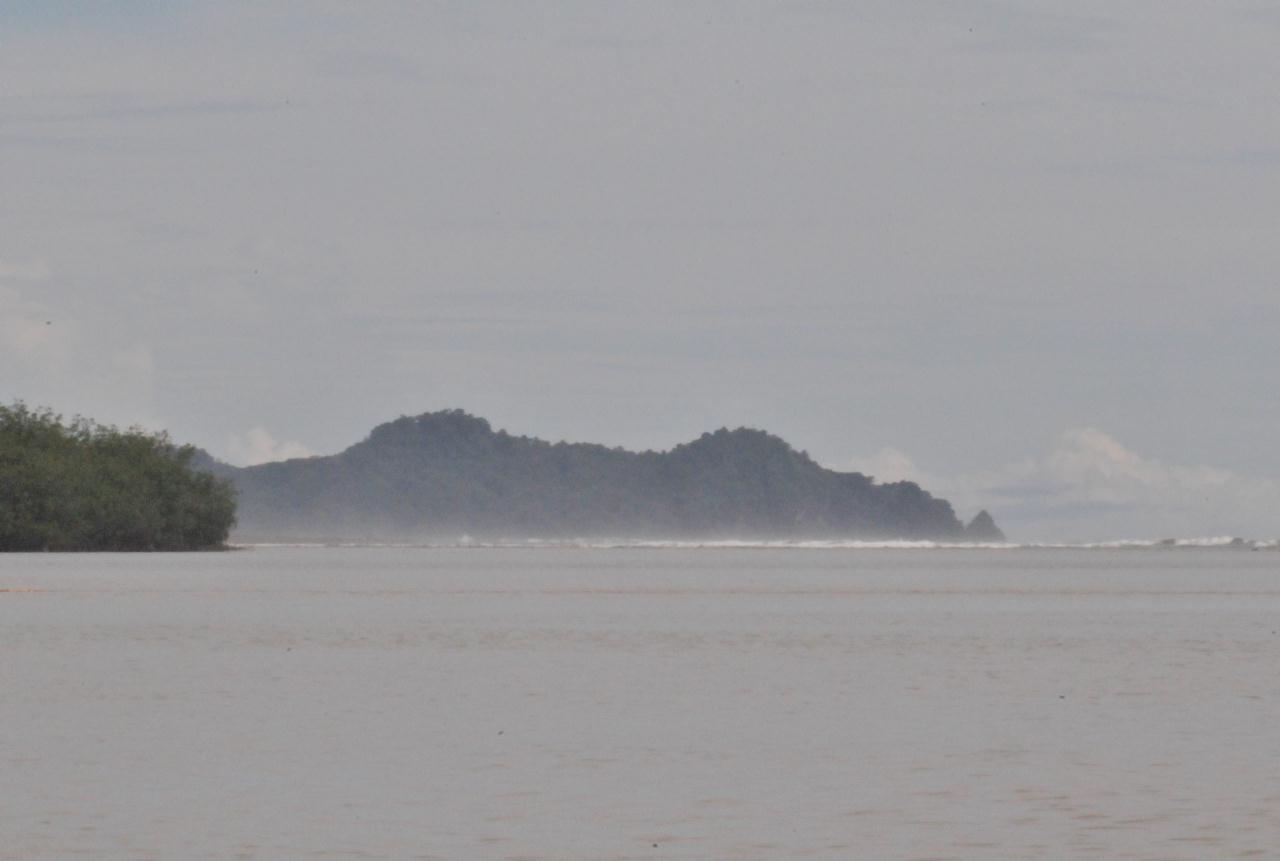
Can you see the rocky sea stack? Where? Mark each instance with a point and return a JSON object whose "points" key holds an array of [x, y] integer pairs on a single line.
{"points": [[983, 528]]}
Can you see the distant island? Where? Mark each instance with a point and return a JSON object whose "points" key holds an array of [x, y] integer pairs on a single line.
{"points": [[446, 474], [81, 486]]}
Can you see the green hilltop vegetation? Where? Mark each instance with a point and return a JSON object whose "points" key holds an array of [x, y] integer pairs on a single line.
{"points": [[446, 474], [84, 486]]}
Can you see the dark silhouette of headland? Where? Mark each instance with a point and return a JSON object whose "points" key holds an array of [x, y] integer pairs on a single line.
{"points": [[445, 474]]}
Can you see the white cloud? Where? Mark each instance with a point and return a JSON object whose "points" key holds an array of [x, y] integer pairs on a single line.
{"points": [[1089, 486], [1091, 461], [259, 446]]}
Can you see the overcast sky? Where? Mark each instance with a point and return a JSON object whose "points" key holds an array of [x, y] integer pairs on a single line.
{"points": [[1026, 253]]}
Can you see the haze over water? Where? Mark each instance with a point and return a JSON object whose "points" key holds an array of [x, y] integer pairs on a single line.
{"points": [[641, 703]]}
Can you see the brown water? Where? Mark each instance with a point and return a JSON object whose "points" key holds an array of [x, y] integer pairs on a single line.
{"points": [[641, 704]]}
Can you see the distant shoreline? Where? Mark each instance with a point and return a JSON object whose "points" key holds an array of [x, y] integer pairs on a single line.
{"points": [[1187, 544]]}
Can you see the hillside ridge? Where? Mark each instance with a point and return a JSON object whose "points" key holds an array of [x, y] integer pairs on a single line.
{"points": [[449, 473]]}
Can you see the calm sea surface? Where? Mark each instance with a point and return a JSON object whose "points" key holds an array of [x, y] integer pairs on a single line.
{"points": [[596, 704]]}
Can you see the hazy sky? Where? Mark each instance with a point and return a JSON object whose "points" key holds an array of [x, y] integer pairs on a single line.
{"points": [[1024, 252]]}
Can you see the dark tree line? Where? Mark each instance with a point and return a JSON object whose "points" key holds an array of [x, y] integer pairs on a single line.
{"points": [[79, 485]]}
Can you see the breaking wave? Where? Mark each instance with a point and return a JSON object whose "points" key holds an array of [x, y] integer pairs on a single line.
{"points": [[466, 541]]}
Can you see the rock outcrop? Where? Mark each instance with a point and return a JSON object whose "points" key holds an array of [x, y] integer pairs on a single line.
{"points": [[983, 528]]}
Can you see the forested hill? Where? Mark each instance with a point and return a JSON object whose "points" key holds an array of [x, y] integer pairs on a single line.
{"points": [[445, 474]]}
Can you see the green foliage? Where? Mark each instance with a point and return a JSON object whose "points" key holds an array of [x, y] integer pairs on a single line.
{"points": [[448, 472], [84, 486]]}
